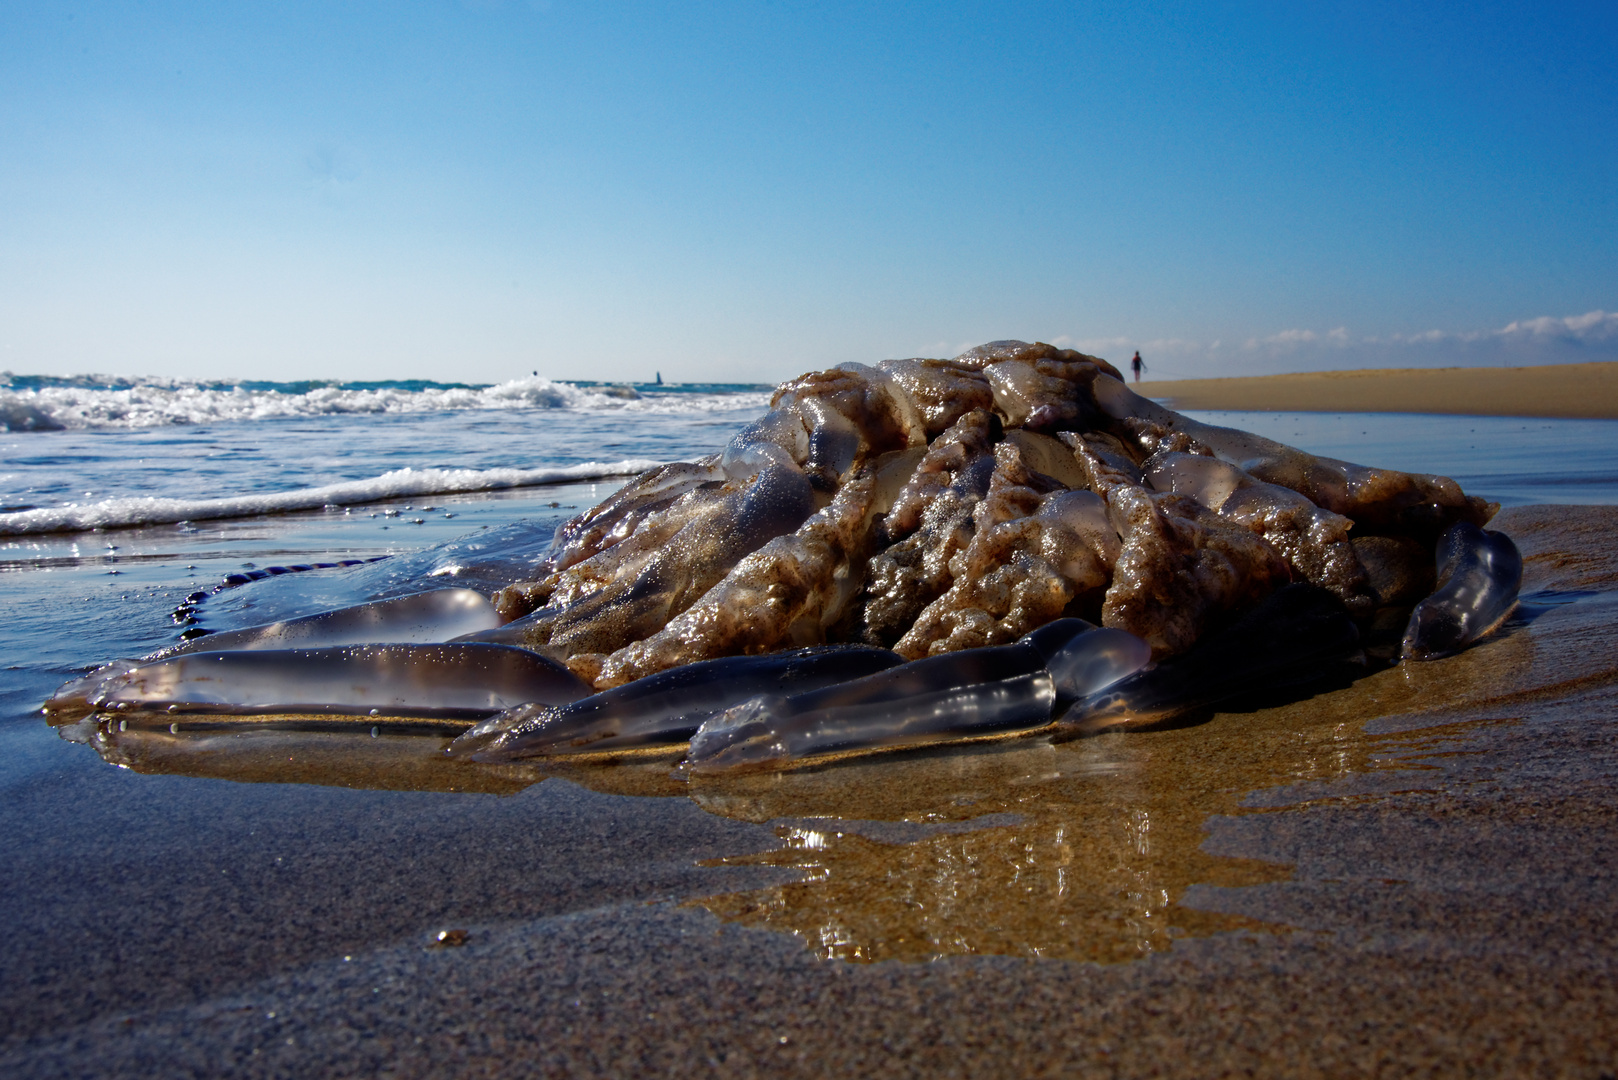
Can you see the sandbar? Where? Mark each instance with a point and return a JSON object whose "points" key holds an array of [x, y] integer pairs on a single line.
{"points": [[1588, 391]]}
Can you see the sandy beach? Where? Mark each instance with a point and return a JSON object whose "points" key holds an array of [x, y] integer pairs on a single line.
{"points": [[1561, 390]]}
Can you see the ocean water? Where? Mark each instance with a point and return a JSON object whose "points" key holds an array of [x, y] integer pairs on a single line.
{"points": [[116, 454]]}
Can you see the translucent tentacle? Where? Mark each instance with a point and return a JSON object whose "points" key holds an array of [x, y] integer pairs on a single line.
{"points": [[1479, 575]]}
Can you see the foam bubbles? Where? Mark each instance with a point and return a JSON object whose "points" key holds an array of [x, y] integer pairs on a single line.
{"points": [[31, 403], [399, 483]]}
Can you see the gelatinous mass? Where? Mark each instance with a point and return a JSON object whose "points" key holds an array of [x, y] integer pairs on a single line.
{"points": [[900, 554]]}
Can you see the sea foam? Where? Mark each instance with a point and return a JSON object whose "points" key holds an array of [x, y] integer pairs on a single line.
{"points": [[44, 403], [400, 483]]}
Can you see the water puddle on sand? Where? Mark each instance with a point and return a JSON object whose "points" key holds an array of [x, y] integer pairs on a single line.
{"points": [[1085, 850]]}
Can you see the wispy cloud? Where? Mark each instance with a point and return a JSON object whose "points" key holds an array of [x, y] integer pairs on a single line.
{"points": [[1591, 327], [1292, 339]]}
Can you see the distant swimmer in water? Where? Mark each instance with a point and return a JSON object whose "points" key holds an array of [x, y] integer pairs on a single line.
{"points": [[1137, 365]]}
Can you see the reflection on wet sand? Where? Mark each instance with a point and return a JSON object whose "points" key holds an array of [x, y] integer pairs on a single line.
{"points": [[1083, 857], [348, 759], [1083, 850], [1090, 845]]}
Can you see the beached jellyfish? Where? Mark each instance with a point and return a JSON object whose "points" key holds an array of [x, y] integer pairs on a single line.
{"points": [[1046, 548]]}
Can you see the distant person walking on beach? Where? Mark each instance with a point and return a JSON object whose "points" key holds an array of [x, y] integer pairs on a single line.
{"points": [[1137, 365]]}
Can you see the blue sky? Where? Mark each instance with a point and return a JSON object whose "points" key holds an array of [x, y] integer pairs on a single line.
{"points": [[747, 190]]}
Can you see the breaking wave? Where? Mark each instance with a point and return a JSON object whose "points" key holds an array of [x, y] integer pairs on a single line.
{"points": [[400, 483], [48, 403]]}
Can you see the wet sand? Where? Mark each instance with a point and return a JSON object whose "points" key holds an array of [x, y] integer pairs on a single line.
{"points": [[1559, 390], [1410, 872]]}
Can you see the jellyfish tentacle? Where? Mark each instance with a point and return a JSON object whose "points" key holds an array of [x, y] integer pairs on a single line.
{"points": [[1094, 661], [645, 499], [450, 680], [942, 391], [1181, 568], [598, 608], [999, 690], [1374, 499], [930, 521], [752, 737], [1036, 550], [788, 593], [664, 708], [1479, 576], [417, 619]]}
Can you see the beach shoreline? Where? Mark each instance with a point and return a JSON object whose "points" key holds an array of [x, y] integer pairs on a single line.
{"points": [[1572, 391]]}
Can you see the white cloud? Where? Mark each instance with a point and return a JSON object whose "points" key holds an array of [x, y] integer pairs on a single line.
{"points": [[1287, 339], [1595, 326]]}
